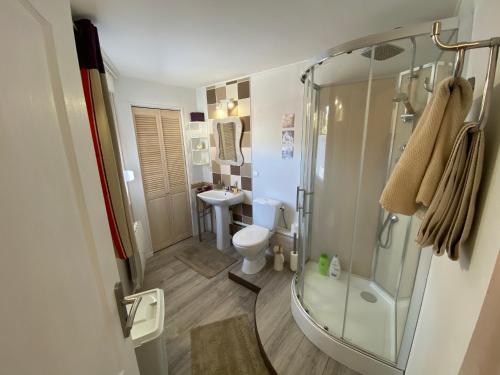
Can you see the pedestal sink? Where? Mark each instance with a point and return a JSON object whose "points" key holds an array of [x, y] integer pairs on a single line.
{"points": [[221, 200]]}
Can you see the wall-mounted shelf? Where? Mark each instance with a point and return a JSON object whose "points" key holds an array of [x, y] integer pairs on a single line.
{"points": [[200, 142]]}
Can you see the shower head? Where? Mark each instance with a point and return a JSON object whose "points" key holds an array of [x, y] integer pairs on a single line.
{"points": [[383, 51]]}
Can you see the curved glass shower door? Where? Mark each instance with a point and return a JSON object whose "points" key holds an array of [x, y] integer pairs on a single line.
{"points": [[360, 109]]}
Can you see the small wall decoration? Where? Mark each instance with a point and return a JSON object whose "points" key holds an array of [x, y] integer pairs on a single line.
{"points": [[288, 121], [287, 135], [287, 138]]}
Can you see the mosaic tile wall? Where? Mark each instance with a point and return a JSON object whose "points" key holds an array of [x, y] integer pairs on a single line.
{"points": [[239, 92]]}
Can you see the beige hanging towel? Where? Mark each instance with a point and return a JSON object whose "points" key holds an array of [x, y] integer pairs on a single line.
{"points": [[448, 220], [416, 176]]}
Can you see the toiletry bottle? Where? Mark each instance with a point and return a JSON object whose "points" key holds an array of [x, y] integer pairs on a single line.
{"points": [[294, 260], [279, 259], [335, 269], [323, 264]]}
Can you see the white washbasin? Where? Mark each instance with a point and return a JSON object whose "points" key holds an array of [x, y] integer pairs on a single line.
{"points": [[221, 197], [221, 200]]}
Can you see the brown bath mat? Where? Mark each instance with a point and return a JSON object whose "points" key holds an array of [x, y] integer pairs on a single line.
{"points": [[226, 347], [205, 260]]}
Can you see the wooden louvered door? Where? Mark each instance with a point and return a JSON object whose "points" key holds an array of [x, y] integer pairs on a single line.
{"points": [[176, 172], [161, 155]]}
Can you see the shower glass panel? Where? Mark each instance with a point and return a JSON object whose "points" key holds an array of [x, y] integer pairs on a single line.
{"points": [[305, 183], [337, 148], [369, 319], [360, 110]]}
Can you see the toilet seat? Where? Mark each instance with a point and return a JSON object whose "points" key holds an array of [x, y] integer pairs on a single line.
{"points": [[251, 236]]}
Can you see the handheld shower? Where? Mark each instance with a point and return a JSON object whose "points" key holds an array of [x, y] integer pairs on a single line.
{"points": [[389, 221], [409, 111]]}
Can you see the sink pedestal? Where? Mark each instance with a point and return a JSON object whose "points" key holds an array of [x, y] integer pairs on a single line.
{"points": [[221, 200], [222, 226]]}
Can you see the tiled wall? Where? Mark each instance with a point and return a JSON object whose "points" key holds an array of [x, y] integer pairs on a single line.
{"points": [[239, 91], [340, 147]]}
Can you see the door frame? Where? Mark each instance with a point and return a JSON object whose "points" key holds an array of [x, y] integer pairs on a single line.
{"points": [[187, 155]]}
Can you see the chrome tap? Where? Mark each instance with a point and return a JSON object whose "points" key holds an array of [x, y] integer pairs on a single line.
{"points": [[234, 188]]}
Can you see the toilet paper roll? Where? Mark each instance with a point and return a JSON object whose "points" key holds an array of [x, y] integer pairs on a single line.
{"points": [[294, 259]]}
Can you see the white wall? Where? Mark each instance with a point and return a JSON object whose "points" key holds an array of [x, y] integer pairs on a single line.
{"points": [[274, 93], [456, 290], [131, 91]]}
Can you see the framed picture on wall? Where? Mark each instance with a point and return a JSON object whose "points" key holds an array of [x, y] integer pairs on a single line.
{"points": [[287, 139], [288, 121]]}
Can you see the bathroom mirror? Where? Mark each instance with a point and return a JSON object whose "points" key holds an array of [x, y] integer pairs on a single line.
{"points": [[227, 133]]}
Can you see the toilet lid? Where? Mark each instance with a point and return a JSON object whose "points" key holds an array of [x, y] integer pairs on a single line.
{"points": [[250, 236]]}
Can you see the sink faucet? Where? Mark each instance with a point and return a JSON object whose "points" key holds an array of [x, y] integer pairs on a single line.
{"points": [[126, 317], [234, 188]]}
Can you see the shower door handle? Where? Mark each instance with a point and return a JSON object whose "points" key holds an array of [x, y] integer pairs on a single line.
{"points": [[302, 207], [307, 203], [297, 198]]}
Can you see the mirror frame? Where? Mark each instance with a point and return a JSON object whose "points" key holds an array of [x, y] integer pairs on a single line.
{"points": [[237, 141]]}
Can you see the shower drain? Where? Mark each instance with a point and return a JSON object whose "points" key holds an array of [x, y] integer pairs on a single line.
{"points": [[368, 297]]}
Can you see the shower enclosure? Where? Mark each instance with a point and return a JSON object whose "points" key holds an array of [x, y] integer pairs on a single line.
{"points": [[362, 101]]}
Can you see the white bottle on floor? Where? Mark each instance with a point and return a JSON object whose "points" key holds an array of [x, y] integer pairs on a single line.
{"points": [[294, 260], [335, 269], [279, 259]]}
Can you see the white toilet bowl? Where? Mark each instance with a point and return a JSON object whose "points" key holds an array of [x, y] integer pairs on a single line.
{"points": [[251, 242]]}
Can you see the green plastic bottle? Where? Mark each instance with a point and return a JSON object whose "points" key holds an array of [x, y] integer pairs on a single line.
{"points": [[323, 264]]}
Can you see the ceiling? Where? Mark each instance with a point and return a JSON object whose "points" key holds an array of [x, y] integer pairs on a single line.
{"points": [[193, 43]]}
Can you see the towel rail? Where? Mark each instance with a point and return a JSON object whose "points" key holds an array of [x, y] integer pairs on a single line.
{"points": [[460, 48]]}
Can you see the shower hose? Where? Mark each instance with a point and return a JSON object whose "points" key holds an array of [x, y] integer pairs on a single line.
{"points": [[389, 221]]}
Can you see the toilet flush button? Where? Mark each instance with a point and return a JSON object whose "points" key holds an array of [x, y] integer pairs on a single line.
{"points": [[255, 173]]}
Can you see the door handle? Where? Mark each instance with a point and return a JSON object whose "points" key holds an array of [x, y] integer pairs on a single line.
{"points": [[131, 315], [307, 203], [297, 206], [126, 318], [305, 194]]}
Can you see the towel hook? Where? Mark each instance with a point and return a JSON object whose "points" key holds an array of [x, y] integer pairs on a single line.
{"points": [[460, 48], [436, 31], [488, 88], [459, 63]]}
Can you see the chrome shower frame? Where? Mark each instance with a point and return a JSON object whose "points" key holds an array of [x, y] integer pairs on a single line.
{"points": [[337, 347], [385, 37]]}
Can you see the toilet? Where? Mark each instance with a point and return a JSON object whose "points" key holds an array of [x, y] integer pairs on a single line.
{"points": [[252, 241]]}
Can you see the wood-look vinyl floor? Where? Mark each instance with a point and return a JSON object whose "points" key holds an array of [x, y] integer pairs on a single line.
{"points": [[286, 347], [192, 300]]}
